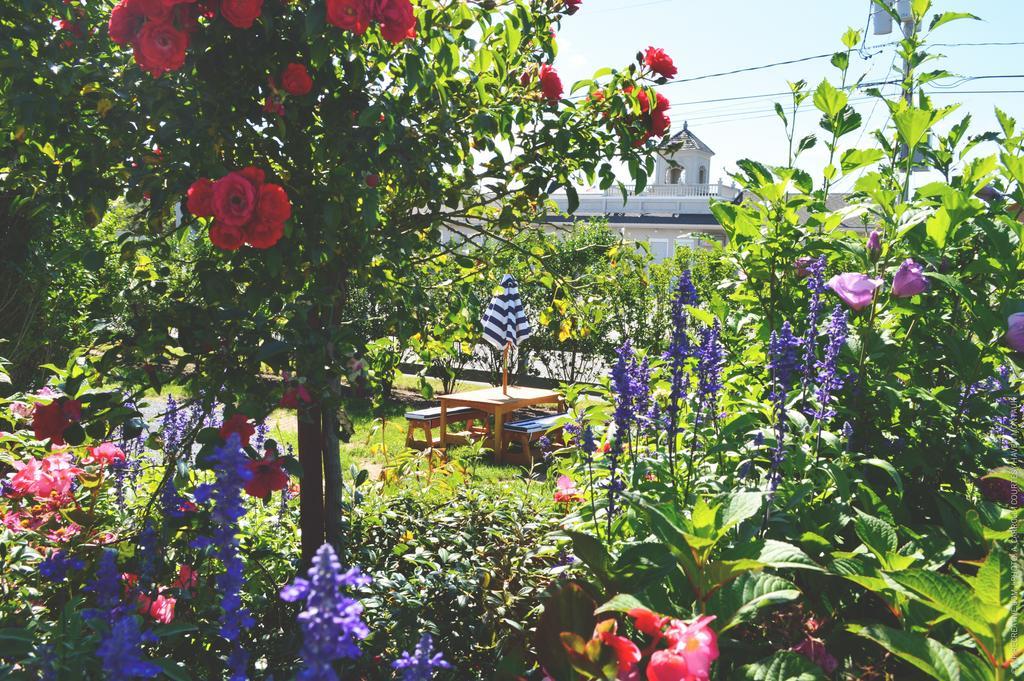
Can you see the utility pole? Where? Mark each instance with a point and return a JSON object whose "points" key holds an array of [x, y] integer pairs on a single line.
{"points": [[882, 21]]}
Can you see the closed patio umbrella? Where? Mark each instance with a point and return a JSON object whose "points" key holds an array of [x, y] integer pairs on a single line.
{"points": [[505, 323]]}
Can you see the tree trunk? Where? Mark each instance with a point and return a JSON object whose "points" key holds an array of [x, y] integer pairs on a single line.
{"points": [[332, 476], [311, 491]]}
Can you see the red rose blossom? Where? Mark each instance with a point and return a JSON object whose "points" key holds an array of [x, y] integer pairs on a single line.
{"points": [[200, 198], [372, 180], [226, 237], [272, 205], [267, 477], [254, 175], [550, 83], [659, 62], [241, 13], [126, 20], [234, 197], [263, 235], [51, 420], [572, 6], [396, 18], [238, 423], [351, 15], [295, 80], [160, 47]]}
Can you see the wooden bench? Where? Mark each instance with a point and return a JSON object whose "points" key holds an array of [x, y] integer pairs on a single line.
{"points": [[425, 420], [526, 432]]}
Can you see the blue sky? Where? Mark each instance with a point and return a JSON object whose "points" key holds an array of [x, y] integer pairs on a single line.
{"points": [[714, 36]]}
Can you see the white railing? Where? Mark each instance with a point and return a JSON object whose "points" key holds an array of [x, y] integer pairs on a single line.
{"points": [[716, 190]]}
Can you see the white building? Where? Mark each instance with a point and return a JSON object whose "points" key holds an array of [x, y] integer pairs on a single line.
{"points": [[672, 209]]}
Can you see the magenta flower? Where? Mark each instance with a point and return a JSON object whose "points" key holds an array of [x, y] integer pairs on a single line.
{"points": [[855, 289], [1015, 331], [909, 280], [874, 244]]}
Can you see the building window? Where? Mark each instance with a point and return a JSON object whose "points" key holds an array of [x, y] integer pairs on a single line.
{"points": [[703, 175], [659, 249], [675, 175]]}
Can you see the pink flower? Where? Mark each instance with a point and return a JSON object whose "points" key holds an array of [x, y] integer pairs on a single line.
{"points": [[22, 410], [696, 643], [161, 608], [648, 622], [668, 665], [855, 289], [909, 280], [1015, 331], [814, 650], [104, 455], [64, 534], [567, 492], [187, 578], [627, 655], [44, 479]]}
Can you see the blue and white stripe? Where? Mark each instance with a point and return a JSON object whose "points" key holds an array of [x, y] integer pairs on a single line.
{"points": [[505, 319]]}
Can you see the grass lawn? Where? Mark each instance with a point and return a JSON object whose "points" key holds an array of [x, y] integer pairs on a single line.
{"points": [[378, 445]]}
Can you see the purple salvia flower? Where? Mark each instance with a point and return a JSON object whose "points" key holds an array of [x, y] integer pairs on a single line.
{"points": [[816, 286], [827, 369], [57, 564], [232, 473], [783, 359], [419, 665], [679, 352], [710, 360], [121, 651], [331, 623]]}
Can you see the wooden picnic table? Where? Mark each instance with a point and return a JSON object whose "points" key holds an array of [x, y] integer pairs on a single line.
{"points": [[496, 403]]}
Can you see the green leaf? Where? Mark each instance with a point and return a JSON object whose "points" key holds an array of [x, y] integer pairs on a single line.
{"points": [[946, 17], [994, 582], [739, 600], [949, 596], [779, 554], [740, 507], [913, 124], [1014, 475], [888, 468], [852, 159], [974, 668], [620, 603], [782, 666], [829, 100], [938, 227], [591, 551], [928, 655], [878, 535]]}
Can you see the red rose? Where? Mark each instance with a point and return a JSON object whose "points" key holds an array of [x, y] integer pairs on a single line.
{"points": [[159, 47], [273, 206], [351, 15], [234, 197], [263, 235], [126, 19], [572, 6], [238, 423], [295, 80], [659, 62], [372, 180], [155, 9], [293, 397], [226, 237], [660, 121], [200, 198], [550, 83], [525, 78], [267, 477], [254, 175], [241, 13], [51, 420], [396, 18]]}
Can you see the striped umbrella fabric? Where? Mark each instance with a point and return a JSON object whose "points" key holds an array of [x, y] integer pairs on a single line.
{"points": [[505, 320]]}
